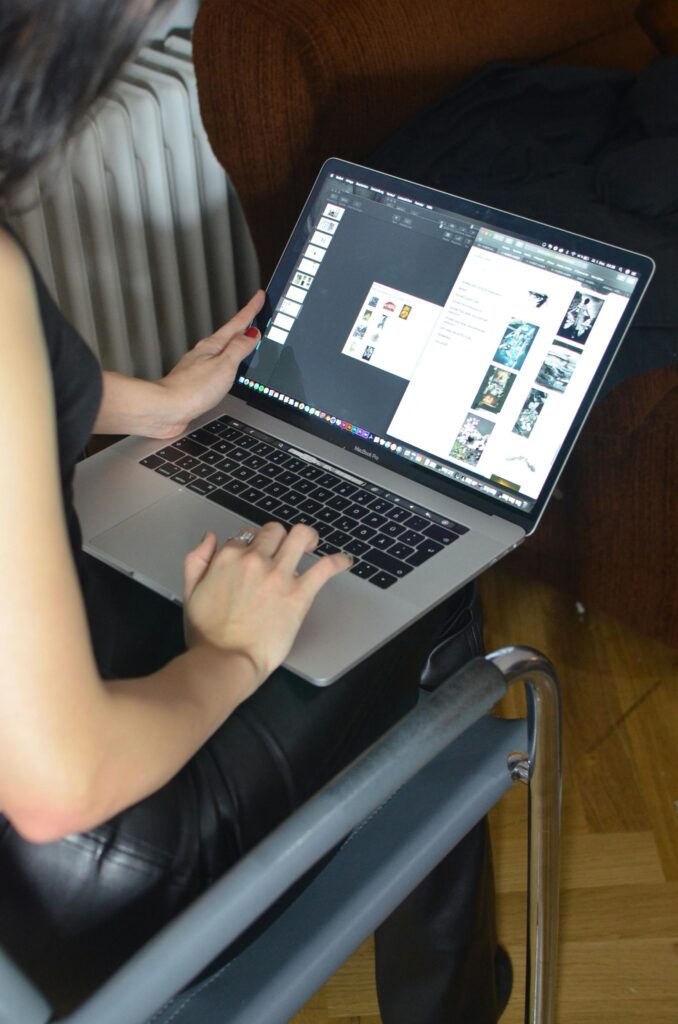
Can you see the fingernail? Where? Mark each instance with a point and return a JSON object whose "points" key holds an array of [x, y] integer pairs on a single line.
{"points": [[251, 332], [350, 557]]}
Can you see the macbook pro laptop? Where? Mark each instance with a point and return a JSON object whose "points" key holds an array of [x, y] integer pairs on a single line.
{"points": [[425, 366]]}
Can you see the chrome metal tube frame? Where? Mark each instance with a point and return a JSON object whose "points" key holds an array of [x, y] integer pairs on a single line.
{"points": [[541, 767]]}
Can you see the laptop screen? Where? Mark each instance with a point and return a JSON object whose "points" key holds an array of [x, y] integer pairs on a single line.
{"points": [[438, 336]]}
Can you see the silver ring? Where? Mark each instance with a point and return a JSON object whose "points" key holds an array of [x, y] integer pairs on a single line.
{"points": [[245, 535]]}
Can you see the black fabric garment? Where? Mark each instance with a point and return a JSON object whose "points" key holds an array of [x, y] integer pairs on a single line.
{"points": [[592, 150], [72, 911]]}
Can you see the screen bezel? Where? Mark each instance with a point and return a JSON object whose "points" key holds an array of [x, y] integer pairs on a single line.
{"points": [[501, 220]]}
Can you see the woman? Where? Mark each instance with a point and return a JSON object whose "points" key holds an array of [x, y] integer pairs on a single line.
{"points": [[140, 758]]}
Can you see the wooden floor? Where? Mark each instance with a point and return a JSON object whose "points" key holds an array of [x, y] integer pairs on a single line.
{"points": [[618, 961]]}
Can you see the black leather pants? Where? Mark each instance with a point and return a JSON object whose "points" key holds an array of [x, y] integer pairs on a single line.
{"points": [[73, 910]]}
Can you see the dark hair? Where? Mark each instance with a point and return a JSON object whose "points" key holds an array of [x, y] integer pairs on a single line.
{"points": [[56, 58]]}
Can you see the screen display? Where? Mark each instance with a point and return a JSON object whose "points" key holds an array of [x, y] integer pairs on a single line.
{"points": [[435, 335]]}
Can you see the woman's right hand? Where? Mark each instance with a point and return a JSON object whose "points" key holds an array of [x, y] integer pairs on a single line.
{"points": [[250, 598]]}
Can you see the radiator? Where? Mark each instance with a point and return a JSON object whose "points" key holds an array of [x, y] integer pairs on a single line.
{"points": [[136, 228]]}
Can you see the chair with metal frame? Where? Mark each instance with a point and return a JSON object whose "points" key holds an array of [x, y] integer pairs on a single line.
{"points": [[397, 810]]}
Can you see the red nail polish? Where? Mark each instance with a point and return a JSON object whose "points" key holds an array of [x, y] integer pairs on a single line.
{"points": [[251, 332]]}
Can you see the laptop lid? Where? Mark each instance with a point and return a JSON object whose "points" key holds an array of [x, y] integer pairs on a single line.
{"points": [[456, 344]]}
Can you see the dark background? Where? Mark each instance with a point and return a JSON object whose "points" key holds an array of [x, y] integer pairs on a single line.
{"points": [[364, 249]]}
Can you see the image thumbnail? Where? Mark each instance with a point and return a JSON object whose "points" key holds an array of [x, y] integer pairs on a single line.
{"points": [[558, 367], [302, 280], [515, 344], [494, 389], [470, 442], [537, 299], [530, 412], [368, 353], [581, 315]]}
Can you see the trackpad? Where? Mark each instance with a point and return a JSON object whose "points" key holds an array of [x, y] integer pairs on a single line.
{"points": [[153, 543]]}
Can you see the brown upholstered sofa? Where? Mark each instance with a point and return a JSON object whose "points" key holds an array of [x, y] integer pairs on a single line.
{"points": [[286, 83]]}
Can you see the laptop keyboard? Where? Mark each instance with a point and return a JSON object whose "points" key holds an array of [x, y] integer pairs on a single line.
{"points": [[263, 479]]}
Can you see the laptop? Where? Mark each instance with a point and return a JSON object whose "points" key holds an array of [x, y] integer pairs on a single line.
{"points": [[425, 366]]}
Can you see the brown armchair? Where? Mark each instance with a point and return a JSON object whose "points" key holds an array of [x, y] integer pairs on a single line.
{"points": [[283, 85]]}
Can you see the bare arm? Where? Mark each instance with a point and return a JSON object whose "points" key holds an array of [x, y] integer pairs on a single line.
{"points": [[196, 384], [73, 750]]}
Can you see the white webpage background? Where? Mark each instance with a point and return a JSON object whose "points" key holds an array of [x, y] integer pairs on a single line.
{"points": [[398, 345], [491, 291]]}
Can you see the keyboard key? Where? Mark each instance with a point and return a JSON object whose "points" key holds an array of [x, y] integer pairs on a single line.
{"points": [[340, 538], [203, 470], [328, 515], [359, 496], [259, 481], [356, 547], [417, 523], [295, 497], [383, 580], [246, 441], [424, 552], [275, 488], [225, 465], [303, 517], [457, 528], [170, 454], [202, 436], [183, 477], [324, 529], [166, 469], [327, 480], [411, 537], [381, 541], [201, 487], [262, 449], [288, 478], [344, 523], [400, 551], [383, 560], [321, 494], [219, 478], [211, 457], [355, 511], [339, 503], [325, 548], [240, 507], [381, 505], [187, 462], [270, 505], [398, 513], [239, 454], [242, 473], [304, 486], [440, 534], [280, 457], [272, 471], [363, 571], [152, 461], [295, 464], [252, 495], [234, 486], [255, 462], [310, 505], [392, 529], [345, 489], [188, 447], [361, 532], [310, 473], [223, 447], [373, 519], [285, 512]]}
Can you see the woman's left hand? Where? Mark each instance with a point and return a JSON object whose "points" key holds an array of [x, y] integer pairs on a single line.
{"points": [[206, 373]]}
